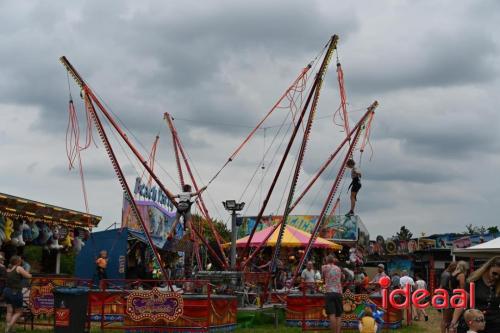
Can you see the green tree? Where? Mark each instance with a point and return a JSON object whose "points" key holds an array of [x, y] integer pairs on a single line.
{"points": [[404, 234], [493, 230], [220, 227], [470, 229], [474, 230]]}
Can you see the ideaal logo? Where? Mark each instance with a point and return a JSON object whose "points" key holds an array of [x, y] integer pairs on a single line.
{"points": [[440, 300]]}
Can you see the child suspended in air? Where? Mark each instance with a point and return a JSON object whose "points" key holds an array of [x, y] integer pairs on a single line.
{"points": [[184, 208], [355, 185]]}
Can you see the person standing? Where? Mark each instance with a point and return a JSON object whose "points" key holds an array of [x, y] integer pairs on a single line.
{"points": [[445, 283], [309, 277], [309, 274], [395, 280], [459, 276], [332, 276], [420, 284], [3, 273], [12, 293], [380, 273], [101, 266], [406, 280]]}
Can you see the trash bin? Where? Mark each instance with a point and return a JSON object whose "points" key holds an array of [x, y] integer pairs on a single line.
{"points": [[70, 309]]}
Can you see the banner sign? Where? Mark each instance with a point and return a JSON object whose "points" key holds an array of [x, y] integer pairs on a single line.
{"points": [[426, 244], [41, 300], [157, 219], [154, 305], [62, 317], [152, 193]]}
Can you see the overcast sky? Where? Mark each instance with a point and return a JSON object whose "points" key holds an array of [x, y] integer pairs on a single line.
{"points": [[218, 66]]}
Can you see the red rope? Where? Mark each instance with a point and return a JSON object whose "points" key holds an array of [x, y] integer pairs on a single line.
{"points": [[73, 148], [366, 137], [343, 98]]}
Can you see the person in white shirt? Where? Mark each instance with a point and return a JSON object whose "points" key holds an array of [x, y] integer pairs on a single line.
{"points": [[184, 208], [310, 276], [420, 284], [405, 279]]}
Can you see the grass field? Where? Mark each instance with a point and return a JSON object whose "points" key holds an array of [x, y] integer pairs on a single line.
{"points": [[264, 325]]}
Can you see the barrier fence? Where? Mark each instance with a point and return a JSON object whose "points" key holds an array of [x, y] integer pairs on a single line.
{"points": [[188, 305]]}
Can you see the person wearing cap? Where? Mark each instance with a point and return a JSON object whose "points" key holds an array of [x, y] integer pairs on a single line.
{"points": [[380, 274]]}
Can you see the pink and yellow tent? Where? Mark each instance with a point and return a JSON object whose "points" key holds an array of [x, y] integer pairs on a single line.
{"points": [[292, 237]]}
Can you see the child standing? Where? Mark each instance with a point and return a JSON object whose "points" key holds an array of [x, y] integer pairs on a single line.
{"points": [[101, 266], [367, 324], [184, 208], [474, 320], [355, 185]]}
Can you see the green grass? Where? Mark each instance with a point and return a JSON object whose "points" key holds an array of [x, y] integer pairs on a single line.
{"points": [[261, 323], [260, 329]]}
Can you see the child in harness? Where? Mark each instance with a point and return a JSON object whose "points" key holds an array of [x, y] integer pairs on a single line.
{"points": [[184, 208], [355, 185]]}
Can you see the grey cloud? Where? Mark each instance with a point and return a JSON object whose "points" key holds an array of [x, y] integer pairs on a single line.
{"points": [[92, 172], [433, 67], [168, 60], [441, 61]]}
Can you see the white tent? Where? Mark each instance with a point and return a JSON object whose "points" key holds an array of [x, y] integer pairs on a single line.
{"points": [[484, 250]]}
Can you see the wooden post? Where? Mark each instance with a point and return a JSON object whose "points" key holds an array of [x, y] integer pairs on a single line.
{"points": [[432, 274], [58, 262]]}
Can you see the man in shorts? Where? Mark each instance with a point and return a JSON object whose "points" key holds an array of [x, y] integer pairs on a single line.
{"points": [[332, 275]]}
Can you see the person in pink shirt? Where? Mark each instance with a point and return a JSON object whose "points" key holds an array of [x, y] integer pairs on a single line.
{"points": [[332, 276]]}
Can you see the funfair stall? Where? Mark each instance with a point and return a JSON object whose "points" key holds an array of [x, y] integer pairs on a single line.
{"points": [[35, 227]]}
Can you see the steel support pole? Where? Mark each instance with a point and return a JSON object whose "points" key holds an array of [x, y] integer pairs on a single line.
{"points": [[234, 232]]}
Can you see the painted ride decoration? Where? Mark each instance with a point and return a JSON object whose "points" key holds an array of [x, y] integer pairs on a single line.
{"points": [[154, 305]]}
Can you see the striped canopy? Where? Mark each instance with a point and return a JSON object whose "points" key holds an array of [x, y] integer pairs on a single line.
{"points": [[292, 237]]}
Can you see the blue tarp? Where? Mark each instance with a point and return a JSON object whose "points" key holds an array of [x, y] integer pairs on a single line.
{"points": [[115, 242]]}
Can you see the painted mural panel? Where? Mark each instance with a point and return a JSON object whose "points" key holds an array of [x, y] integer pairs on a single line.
{"points": [[157, 219], [336, 228]]}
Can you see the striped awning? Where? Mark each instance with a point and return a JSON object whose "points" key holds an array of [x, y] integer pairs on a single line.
{"points": [[292, 237]]}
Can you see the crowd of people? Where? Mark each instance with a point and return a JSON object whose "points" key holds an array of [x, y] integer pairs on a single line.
{"points": [[485, 317]]}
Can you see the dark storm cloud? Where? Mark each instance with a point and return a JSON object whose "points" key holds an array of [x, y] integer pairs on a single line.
{"points": [[440, 61], [155, 58], [218, 66], [451, 137]]}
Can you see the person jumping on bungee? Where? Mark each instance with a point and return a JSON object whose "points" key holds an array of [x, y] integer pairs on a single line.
{"points": [[355, 185], [184, 208]]}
